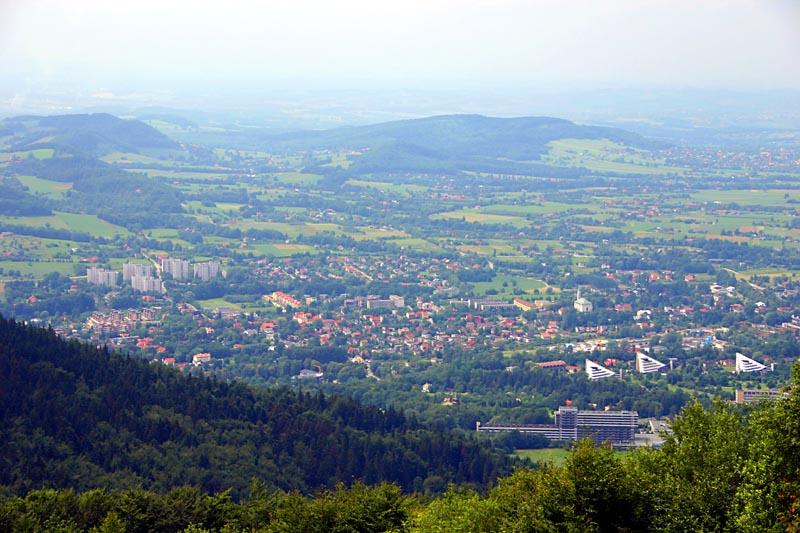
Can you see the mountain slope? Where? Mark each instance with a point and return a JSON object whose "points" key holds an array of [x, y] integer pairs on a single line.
{"points": [[452, 142], [74, 416], [89, 134]]}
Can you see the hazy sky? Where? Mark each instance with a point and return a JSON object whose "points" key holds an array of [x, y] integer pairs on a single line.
{"points": [[749, 44]]}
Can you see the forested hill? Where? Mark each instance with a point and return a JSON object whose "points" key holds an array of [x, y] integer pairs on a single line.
{"points": [[78, 417], [453, 142], [92, 134]]}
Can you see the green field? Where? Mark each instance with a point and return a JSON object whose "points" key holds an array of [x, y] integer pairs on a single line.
{"points": [[543, 208], [69, 221], [37, 269], [37, 248], [496, 288], [122, 158], [51, 189], [39, 153], [297, 178], [215, 303], [290, 230], [386, 187], [281, 249], [181, 174], [420, 245], [602, 155], [475, 215], [746, 197]]}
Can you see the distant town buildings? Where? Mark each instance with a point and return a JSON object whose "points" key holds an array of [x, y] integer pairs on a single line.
{"points": [[392, 302], [281, 299], [100, 276]]}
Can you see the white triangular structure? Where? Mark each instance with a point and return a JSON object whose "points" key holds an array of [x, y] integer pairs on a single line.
{"points": [[646, 364], [745, 364], [595, 371]]}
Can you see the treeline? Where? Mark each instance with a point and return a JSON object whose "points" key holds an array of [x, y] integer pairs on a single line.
{"points": [[722, 469], [74, 416]]}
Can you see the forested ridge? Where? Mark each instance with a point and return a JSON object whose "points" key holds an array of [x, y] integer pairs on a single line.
{"points": [[154, 450], [77, 417], [722, 470]]}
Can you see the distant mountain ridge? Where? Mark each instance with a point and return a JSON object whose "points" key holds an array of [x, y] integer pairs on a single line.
{"points": [[453, 142], [92, 134]]}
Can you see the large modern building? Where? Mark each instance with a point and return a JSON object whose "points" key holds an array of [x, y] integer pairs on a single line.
{"points": [[756, 395], [101, 276], [177, 268], [130, 270], [616, 427], [206, 271], [597, 371], [745, 364], [392, 302], [147, 284], [646, 364]]}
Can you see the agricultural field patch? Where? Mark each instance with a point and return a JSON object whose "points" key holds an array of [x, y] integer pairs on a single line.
{"points": [[69, 221], [476, 216], [505, 285], [50, 189]]}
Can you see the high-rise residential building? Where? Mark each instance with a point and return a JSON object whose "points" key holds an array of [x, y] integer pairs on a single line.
{"points": [[101, 276], [130, 270], [146, 284], [177, 268], [206, 271]]}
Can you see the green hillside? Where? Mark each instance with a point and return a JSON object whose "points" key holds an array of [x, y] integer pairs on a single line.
{"points": [[454, 142], [74, 416], [89, 134]]}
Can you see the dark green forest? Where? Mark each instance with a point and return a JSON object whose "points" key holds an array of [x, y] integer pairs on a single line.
{"points": [[77, 417], [98, 441]]}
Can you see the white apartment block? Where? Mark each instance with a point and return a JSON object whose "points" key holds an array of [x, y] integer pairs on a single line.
{"points": [[206, 271], [178, 268], [129, 270], [146, 284], [101, 276]]}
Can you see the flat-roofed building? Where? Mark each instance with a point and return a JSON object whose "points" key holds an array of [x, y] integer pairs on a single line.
{"points": [[206, 271], [177, 268], [147, 284], [756, 395], [616, 427], [130, 270], [101, 276]]}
